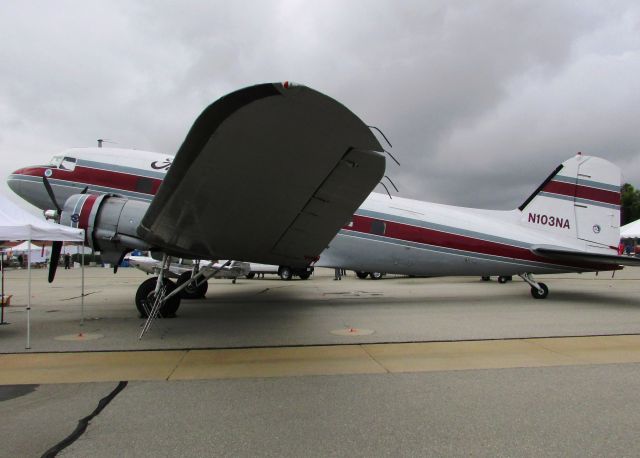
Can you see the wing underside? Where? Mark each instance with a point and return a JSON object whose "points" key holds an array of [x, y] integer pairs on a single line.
{"points": [[267, 174]]}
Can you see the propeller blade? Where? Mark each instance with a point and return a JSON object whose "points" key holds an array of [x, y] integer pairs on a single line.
{"points": [[52, 196], [56, 248]]}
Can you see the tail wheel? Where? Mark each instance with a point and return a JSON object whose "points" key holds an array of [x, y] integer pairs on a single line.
{"points": [[540, 294], [145, 296], [192, 291]]}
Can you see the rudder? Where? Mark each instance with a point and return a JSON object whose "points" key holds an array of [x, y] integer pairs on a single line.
{"points": [[580, 199]]}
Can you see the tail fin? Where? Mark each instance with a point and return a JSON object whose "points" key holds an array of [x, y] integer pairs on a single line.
{"points": [[580, 199]]}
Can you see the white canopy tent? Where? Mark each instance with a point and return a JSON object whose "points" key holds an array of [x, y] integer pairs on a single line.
{"points": [[42, 253], [24, 246], [631, 230], [35, 254], [18, 224]]}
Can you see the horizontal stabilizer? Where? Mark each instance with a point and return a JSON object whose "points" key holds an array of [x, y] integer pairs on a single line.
{"points": [[568, 255]]}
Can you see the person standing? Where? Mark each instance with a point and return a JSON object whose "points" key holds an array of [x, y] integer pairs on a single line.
{"points": [[67, 261], [338, 274]]}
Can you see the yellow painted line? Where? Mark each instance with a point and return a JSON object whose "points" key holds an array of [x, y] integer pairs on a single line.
{"points": [[40, 368], [595, 350], [446, 356], [276, 362], [320, 360]]}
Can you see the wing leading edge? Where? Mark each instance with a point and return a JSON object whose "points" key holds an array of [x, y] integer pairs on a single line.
{"points": [[269, 174]]}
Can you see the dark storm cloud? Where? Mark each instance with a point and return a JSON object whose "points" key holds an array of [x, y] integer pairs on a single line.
{"points": [[480, 99]]}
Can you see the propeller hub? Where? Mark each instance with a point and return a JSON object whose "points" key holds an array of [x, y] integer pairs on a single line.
{"points": [[51, 215]]}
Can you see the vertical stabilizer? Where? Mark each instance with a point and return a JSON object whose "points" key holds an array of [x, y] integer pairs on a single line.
{"points": [[581, 199]]}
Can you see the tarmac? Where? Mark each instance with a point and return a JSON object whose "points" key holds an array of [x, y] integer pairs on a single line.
{"points": [[398, 366]]}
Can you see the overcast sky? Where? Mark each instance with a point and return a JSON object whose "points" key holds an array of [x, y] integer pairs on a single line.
{"points": [[480, 99]]}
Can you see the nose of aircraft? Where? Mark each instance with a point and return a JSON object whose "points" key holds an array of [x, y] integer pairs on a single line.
{"points": [[14, 181], [27, 183]]}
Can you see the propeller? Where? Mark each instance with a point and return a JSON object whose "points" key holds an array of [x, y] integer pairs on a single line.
{"points": [[52, 196], [56, 246], [56, 249]]}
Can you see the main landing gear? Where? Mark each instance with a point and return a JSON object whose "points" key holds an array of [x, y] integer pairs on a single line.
{"points": [[146, 297], [538, 290], [160, 297], [374, 275], [193, 290]]}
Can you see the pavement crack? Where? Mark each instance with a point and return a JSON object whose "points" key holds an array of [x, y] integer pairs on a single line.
{"points": [[364, 348], [84, 422], [78, 297], [175, 368], [266, 290]]}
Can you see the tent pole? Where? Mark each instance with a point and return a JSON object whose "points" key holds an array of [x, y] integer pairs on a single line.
{"points": [[29, 298], [3, 301], [82, 291]]}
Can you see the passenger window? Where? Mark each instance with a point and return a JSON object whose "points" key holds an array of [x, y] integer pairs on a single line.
{"points": [[68, 163], [378, 227]]}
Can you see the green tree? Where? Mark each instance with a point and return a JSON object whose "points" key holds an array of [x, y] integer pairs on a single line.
{"points": [[630, 203]]}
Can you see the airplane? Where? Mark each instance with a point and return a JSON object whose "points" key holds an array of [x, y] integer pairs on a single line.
{"points": [[320, 164]]}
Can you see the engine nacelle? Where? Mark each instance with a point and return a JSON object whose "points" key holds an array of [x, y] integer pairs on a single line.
{"points": [[110, 223]]}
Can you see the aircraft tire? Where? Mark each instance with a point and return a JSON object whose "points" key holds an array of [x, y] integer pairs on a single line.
{"points": [[145, 295], [192, 291], [305, 275], [486, 278], [286, 273], [361, 275], [503, 279], [376, 275], [204, 287], [250, 275], [537, 294]]}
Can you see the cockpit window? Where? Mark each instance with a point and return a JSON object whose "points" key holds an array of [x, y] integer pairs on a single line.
{"points": [[55, 161], [68, 163], [63, 163]]}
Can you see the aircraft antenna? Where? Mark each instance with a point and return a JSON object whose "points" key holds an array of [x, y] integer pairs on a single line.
{"points": [[104, 140]]}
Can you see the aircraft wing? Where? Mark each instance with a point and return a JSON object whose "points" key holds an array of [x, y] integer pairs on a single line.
{"points": [[573, 256], [269, 174]]}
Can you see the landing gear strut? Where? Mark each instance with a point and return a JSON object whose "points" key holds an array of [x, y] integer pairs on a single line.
{"points": [[146, 295], [163, 295], [538, 290]]}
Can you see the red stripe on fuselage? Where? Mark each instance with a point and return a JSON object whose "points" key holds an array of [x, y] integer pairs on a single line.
{"points": [[85, 211], [416, 234], [97, 177], [583, 192]]}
